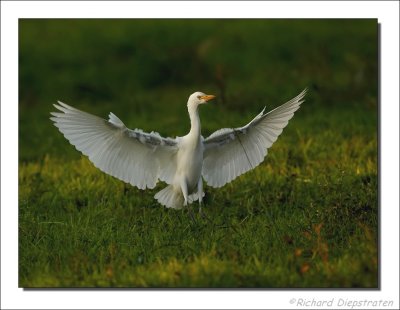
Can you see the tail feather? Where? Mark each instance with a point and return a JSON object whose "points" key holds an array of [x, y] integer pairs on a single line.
{"points": [[170, 197]]}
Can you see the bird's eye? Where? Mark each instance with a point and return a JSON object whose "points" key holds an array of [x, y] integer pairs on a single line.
{"points": [[199, 97]]}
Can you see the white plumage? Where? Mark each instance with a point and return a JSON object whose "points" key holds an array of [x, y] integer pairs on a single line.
{"points": [[142, 159]]}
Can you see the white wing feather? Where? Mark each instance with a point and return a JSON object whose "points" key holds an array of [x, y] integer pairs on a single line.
{"points": [[230, 152], [133, 156]]}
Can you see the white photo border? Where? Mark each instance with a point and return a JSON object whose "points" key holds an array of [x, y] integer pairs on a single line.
{"points": [[12, 297]]}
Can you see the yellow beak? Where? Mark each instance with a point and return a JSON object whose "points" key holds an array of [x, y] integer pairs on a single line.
{"points": [[207, 97]]}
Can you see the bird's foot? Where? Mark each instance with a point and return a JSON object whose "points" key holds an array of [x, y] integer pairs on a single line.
{"points": [[191, 215], [204, 215]]}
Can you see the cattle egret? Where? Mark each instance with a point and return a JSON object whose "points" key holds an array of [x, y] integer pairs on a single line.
{"points": [[142, 159]]}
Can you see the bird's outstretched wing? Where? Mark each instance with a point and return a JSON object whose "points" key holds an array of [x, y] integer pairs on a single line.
{"points": [[230, 152], [132, 156]]}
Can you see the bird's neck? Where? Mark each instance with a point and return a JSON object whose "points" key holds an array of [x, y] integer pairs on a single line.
{"points": [[195, 128]]}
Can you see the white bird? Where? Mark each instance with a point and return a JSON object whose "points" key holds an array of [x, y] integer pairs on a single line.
{"points": [[142, 159]]}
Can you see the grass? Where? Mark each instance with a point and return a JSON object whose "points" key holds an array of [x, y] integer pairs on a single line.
{"points": [[306, 217]]}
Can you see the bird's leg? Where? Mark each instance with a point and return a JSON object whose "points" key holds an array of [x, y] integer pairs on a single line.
{"points": [[185, 196], [200, 194], [184, 192]]}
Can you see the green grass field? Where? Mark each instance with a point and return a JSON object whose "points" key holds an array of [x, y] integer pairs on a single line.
{"points": [[306, 217]]}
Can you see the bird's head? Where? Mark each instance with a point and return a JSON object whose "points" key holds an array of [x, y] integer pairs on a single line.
{"points": [[198, 98]]}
